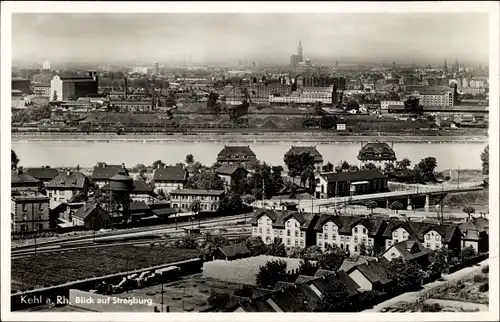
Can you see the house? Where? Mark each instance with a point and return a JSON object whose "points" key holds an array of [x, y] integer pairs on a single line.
{"points": [[371, 275], [408, 250], [311, 150], [377, 153], [29, 212], [44, 174], [352, 261], [209, 199], [92, 216], [169, 178], [231, 175], [21, 181], [103, 172], [475, 233], [332, 184], [233, 155], [66, 185], [141, 191], [293, 228], [231, 252], [432, 236], [349, 232]]}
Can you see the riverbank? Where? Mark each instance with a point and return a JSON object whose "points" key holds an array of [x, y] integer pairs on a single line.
{"points": [[249, 137]]}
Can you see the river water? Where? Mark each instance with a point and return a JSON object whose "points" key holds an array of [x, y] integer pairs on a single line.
{"points": [[68, 153]]}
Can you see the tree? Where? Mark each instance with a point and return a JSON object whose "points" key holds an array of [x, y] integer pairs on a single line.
{"points": [[189, 159], [256, 246], [372, 204], [248, 199], [231, 204], [188, 242], [353, 168], [344, 166], [332, 258], [298, 163], [271, 273], [334, 298], [467, 253], [328, 167], [469, 210], [362, 249], [438, 260], [308, 176], [485, 159], [157, 164], [195, 206], [403, 164], [424, 170], [396, 206], [276, 248], [405, 275], [218, 300], [14, 160], [389, 167], [205, 180]]}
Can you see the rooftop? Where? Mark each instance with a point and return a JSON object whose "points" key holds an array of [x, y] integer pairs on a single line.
{"points": [[197, 192], [68, 180], [331, 177], [170, 173]]}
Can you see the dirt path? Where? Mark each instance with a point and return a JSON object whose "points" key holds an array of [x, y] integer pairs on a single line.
{"points": [[469, 306]]}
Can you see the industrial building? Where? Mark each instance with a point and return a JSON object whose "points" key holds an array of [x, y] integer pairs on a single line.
{"points": [[63, 88]]}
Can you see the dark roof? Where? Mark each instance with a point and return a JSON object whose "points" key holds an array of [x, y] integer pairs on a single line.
{"points": [[197, 192], [306, 220], [392, 225], [303, 279], [272, 214], [349, 263], [352, 176], [376, 151], [374, 271], [419, 229], [85, 210], [137, 206], [323, 272], [173, 173], [229, 169], [323, 282], [65, 180], [43, 174], [234, 250], [295, 150], [107, 172], [375, 225], [256, 306], [164, 211], [236, 151], [411, 249], [141, 186], [75, 78], [478, 224], [18, 177]]}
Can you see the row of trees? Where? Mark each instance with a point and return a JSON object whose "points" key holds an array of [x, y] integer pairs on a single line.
{"points": [[32, 114]]}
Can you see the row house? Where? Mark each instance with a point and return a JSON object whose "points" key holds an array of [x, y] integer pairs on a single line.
{"points": [[209, 199], [292, 227], [231, 175], [29, 212], [348, 232], [169, 178], [65, 186]]}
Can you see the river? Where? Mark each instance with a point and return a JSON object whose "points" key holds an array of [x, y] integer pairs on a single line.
{"points": [[86, 153]]}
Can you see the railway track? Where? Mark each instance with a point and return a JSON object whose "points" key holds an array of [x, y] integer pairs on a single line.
{"points": [[152, 230], [158, 239]]}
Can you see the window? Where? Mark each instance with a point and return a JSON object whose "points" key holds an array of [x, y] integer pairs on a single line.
{"points": [[50, 194], [260, 230], [341, 246], [347, 238], [325, 227], [320, 235], [288, 224], [269, 221], [268, 238], [288, 233], [405, 234], [281, 232], [355, 239], [395, 234], [276, 231], [301, 234], [296, 242], [364, 240], [438, 237], [369, 241], [301, 243], [355, 248], [260, 221], [326, 236], [389, 243], [428, 245], [320, 244], [296, 233], [427, 237], [40, 226], [393, 254], [342, 238], [364, 231], [288, 241], [268, 230], [254, 229], [437, 246], [356, 230]]}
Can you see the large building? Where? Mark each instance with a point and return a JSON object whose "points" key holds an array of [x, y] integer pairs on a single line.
{"points": [[65, 186], [64, 88], [432, 95], [339, 184], [170, 178], [21, 84], [42, 90], [29, 212], [236, 155], [305, 95], [184, 198]]}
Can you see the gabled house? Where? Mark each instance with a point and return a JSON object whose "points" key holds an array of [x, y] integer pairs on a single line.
{"points": [[231, 175], [311, 150], [168, 178], [475, 233], [332, 184], [293, 228], [377, 153], [348, 232], [371, 275], [92, 216], [408, 250], [66, 185], [231, 155], [103, 172], [44, 174], [21, 181]]}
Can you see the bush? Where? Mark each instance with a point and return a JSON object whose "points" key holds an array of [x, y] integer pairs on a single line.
{"points": [[485, 269], [480, 278], [432, 308], [484, 287]]}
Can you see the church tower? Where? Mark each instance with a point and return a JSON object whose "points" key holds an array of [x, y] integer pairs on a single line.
{"points": [[300, 52]]}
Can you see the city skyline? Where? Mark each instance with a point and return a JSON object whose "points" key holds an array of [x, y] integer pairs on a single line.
{"points": [[206, 38]]}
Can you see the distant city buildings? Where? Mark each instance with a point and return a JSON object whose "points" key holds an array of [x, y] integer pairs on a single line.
{"points": [[298, 58]]}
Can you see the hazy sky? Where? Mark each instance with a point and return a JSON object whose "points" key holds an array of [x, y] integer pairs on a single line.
{"points": [[423, 38]]}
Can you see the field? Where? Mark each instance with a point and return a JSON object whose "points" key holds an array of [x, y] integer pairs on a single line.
{"points": [[60, 267]]}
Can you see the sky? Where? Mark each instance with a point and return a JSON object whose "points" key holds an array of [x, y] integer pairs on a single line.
{"points": [[229, 38]]}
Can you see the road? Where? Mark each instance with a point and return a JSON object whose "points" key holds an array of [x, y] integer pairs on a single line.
{"points": [[413, 296]]}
